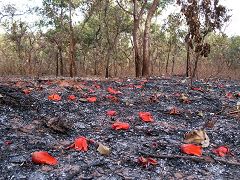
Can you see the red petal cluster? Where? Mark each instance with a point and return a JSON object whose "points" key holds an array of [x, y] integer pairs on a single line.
{"points": [[111, 113], [54, 97], [120, 125], [79, 144], [146, 116], [221, 151], [92, 99], [147, 161]]}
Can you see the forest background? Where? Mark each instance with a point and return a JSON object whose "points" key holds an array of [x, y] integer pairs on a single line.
{"points": [[118, 38]]}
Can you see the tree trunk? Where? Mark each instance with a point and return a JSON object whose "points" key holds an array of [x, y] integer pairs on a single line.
{"points": [[195, 65], [135, 34], [168, 56], [57, 64], [60, 59], [188, 61], [107, 65], [72, 48], [173, 63], [29, 63], [146, 54]]}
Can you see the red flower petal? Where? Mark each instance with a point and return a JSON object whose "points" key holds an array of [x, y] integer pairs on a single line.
{"points": [[42, 157], [120, 125], [92, 99], [72, 97], [97, 86], [54, 97], [229, 95], [111, 113], [138, 86], [146, 116], [81, 144], [143, 161], [191, 149], [91, 91], [152, 161], [8, 142], [221, 151], [26, 91], [197, 89], [112, 91], [147, 161], [112, 98]]}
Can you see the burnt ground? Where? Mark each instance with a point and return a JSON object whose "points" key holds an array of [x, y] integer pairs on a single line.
{"points": [[31, 122]]}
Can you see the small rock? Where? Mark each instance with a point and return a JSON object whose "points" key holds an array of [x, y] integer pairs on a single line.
{"points": [[46, 168], [178, 175], [37, 176]]}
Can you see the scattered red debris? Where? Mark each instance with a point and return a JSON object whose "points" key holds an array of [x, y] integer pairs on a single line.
{"points": [[42, 157], [197, 89], [79, 144], [138, 86], [72, 97], [191, 149], [92, 99], [174, 111], [111, 113], [8, 142], [26, 91], [221, 151], [120, 125], [237, 94], [91, 91], [112, 91], [97, 86], [146, 116], [221, 86], [146, 161], [143, 82], [112, 98], [229, 95], [92, 141], [54, 97]]}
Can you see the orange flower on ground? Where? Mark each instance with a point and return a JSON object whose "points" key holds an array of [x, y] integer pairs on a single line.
{"points": [[229, 95], [42, 157], [221, 151], [54, 97], [92, 99], [146, 116], [111, 113], [174, 111], [120, 125], [197, 89], [97, 86], [138, 86], [112, 98], [147, 161], [79, 144], [112, 91], [191, 149], [72, 97], [26, 91]]}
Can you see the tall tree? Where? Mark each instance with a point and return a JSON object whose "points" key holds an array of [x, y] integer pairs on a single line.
{"points": [[202, 17], [141, 52]]}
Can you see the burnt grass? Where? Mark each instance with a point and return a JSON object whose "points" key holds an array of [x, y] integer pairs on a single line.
{"points": [[31, 122]]}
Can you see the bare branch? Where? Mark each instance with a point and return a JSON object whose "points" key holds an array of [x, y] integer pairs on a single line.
{"points": [[119, 4]]}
